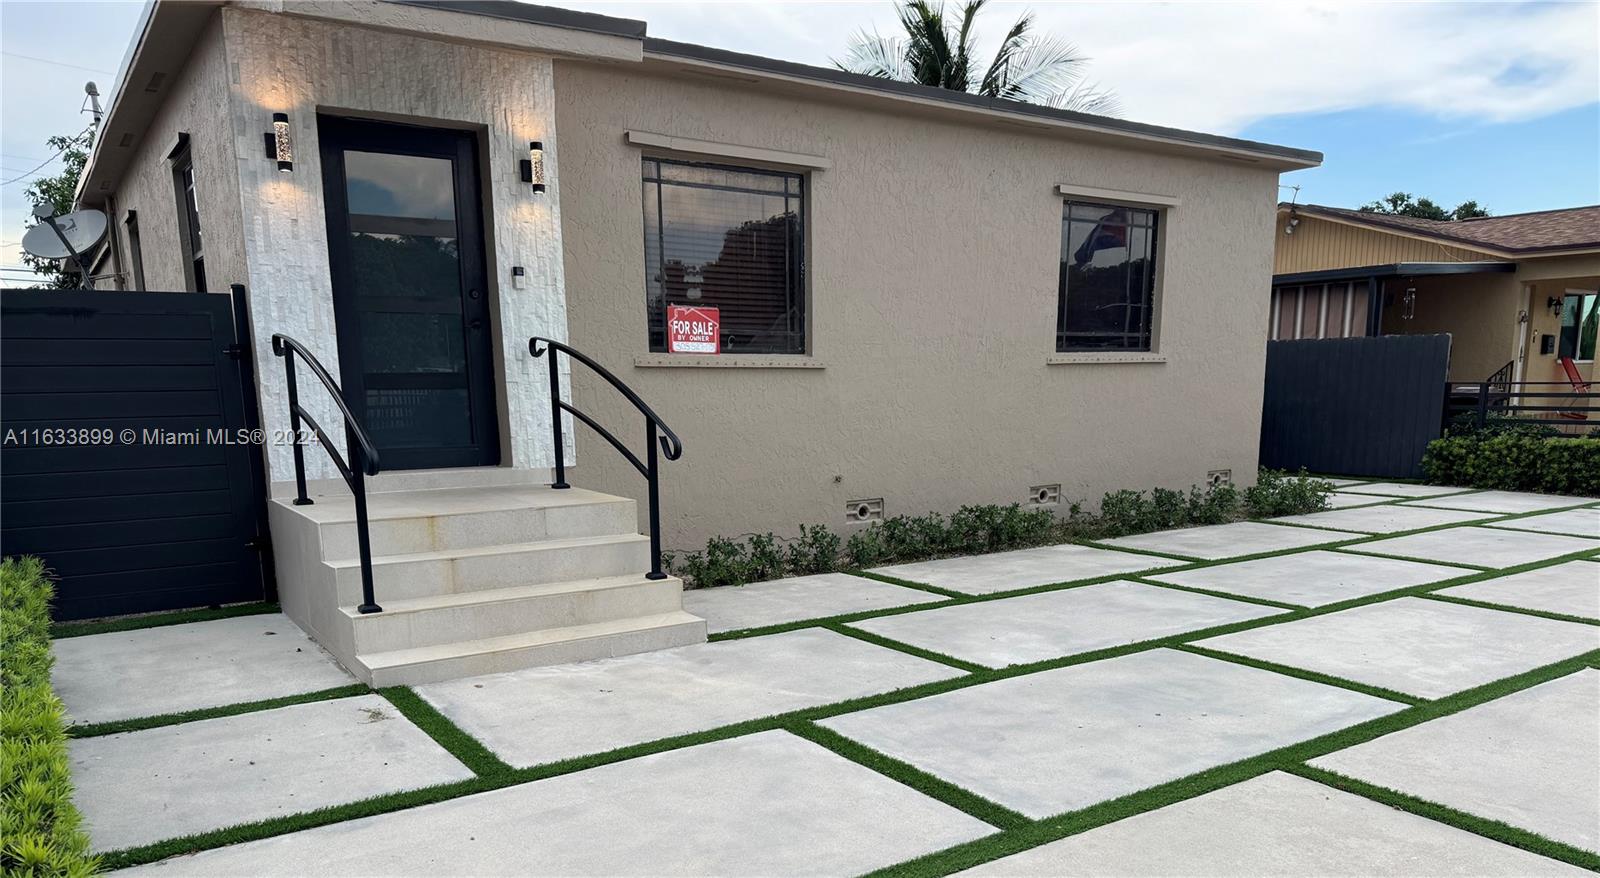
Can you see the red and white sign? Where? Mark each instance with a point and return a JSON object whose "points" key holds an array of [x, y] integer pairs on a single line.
{"points": [[693, 330]]}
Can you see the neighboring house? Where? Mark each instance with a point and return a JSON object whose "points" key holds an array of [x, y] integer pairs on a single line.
{"points": [[1516, 293], [926, 298]]}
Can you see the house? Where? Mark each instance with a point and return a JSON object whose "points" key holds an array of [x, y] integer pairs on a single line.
{"points": [[916, 299], [1516, 293]]}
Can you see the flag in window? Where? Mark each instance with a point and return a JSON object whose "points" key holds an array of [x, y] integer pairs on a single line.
{"points": [[1110, 232]]}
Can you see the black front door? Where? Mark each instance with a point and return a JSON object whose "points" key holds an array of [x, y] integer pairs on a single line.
{"points": [[410, 290]]}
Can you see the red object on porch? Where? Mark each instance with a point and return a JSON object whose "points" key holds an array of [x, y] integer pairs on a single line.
{"points": [[1578, 386]]}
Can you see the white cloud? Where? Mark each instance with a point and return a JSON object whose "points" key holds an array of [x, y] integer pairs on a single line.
{"points": [[1218, 66]]}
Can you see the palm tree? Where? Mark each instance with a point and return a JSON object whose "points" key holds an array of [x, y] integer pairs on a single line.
{"points": [[939, 52]]}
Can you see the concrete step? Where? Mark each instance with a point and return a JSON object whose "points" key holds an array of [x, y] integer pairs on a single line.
{"points": [[429, 664], [423, 479], [456, 571], [451, 618], [461, 518]]}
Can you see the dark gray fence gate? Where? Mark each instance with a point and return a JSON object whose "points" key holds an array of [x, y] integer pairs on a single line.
{"points": [[121, 465], [1354, 406]]}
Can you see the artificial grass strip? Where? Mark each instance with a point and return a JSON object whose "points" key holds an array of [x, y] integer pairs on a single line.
{"points": [[908, 649], [94, 730], [1502, 832], [908, 583], [1303, 674], [990, 812], [157, 620], [469, 750], [1211, 592], [1288, 758], [1524, 611]]}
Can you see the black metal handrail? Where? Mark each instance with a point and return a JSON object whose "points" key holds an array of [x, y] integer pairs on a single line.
{"points": [[671, 445], [358, 448]]}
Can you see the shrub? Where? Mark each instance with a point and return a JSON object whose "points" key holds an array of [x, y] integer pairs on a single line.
{"points": [[1466, 424], [1513, 462], [39, 827], [1131, 512], [815, 551], [1278, 493]]}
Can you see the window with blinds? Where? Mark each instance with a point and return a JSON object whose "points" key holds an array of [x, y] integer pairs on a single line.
{"points": [[729, 238]]}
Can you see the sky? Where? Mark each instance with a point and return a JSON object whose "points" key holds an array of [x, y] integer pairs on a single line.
{"points": [[1493, 102]]}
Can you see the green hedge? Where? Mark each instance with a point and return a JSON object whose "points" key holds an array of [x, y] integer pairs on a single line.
{"points": [[39, 833], [1511, 462], [973, 530]]}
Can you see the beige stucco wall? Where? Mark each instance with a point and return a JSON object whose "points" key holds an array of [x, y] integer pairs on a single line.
{"points": [[933, 259], [285, 63], [1478, 310], [1543, 367], [1319, 244], [198, 93]]}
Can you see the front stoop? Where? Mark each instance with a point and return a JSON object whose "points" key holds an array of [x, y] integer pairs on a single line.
{"points": [[475, 579]]}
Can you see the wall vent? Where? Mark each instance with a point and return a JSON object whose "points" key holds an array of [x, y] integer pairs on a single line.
{"points": [[155, 82], [1219, 477], [857, 511], [1044, 495]]}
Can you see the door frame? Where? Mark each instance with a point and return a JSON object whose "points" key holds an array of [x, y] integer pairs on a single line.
{"points": [[339, 131]]}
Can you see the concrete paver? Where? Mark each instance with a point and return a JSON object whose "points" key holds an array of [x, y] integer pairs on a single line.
{"points": [[1572, 522], [1480, 546], [540, 715], [796, 598], [1384, 519], [764, 804], [1043, 626], [1216, 541], [1060, 740], [1529, 759], [1414, 645], [1024, 568], [1401, 489], [1505, 502], [136, 788], [1572, 588], [174, 668], [1277, 824], [1312, 579]]}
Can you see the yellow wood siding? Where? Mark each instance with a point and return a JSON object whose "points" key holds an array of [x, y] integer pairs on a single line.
{"points": [[1318, 244]]}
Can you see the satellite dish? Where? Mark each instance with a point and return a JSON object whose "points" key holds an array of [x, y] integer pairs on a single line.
{"points": [[79, 232]]}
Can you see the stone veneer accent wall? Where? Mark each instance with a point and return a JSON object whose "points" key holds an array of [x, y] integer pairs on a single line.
{"points": [[281, 63]]}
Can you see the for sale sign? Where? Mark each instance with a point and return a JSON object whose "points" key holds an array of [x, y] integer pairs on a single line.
{"points": [[693, 330]]}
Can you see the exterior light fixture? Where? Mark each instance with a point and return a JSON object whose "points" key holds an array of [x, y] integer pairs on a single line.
{"points": [[533, 166], [1554, 304], [279, 144]]}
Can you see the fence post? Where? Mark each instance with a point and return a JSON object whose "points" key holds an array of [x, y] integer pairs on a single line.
{"points": [[1483, 405]]}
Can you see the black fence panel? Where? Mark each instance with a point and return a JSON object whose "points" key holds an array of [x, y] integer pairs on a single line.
{"points": [[127, 463], [1354, 406]]}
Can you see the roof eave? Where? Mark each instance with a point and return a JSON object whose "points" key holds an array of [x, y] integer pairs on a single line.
{"points": [[760, 68]]}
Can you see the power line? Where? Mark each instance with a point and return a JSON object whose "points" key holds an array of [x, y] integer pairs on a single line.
{"points": [[57, 63], [50, 159]]}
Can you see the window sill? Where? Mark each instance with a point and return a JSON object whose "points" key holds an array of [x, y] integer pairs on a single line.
{"points": [[1079, 359], [729, 361]]}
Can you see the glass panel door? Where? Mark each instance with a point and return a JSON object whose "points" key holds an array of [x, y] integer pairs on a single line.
{"points": [[409, 290]]}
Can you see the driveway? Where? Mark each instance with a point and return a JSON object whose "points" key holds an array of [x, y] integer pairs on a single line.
{"points": [[1407, 684]]}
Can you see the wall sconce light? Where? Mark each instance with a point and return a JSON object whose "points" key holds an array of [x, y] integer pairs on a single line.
{"points": [[533, 166], [279, 144], [1554, 304]]}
